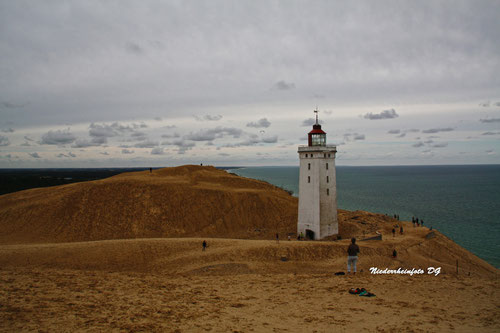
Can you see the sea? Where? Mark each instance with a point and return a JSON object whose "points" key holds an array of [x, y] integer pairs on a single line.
{"points": [[461, 201]]}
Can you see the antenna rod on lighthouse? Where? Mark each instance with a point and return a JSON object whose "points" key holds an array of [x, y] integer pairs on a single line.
{"points": [[316, 111]]}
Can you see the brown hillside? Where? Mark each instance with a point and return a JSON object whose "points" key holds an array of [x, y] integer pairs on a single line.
{"points": [[172, 202]]}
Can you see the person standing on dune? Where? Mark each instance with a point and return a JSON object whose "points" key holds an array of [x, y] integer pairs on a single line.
{"points": [[352, 257]]}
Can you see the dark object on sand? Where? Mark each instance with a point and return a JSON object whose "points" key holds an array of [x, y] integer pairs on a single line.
{"points": [[430, 235], [339, 273], [361, 292]]}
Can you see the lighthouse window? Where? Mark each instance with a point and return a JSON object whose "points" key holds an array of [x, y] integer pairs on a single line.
{"points": [[327, 179], [309, 166], [326, 166], [306, 155], [308, 179], [327, 191], [324, 155], [328, 155]]}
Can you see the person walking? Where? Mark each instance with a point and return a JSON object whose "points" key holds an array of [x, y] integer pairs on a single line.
{"points": [[352, 256], [393, 232], [204, 245]]}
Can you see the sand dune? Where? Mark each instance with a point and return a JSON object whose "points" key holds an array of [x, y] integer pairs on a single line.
{"points": [[171, 202], [75, 258]]}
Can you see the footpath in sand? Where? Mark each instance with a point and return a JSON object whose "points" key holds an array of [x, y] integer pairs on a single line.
{"points": [[50, 282]]}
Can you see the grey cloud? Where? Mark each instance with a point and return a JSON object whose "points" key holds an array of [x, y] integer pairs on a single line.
{"points": [[34, 155], [253, 140], [396, 131], [126, 151], [440, 145], [140, 125], [386, 114], [169, 126], [9, 105], [489, 151], [402, 135], [182, 145], [214, 133], [8, 130], [82, 143], [272, 139], [282, 85], [224, 154], [146, 144], [485, 104], [4, 141], [497, 104], [310, 122], [133, 48], [113, 129], [490, 133], [104, 153], [167, 136], [25, 144], [490, 120], [157, 151], [96, 130], [70, 154], [138, 136], [412, 130], [418, 144], [28, 138], [209, 117], [157, 118], [58, 137], [353, 136], [261, 123], [436, 130], [429, 141]]}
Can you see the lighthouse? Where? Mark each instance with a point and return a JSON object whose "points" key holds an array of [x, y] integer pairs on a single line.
{"points": [[317, 186]]}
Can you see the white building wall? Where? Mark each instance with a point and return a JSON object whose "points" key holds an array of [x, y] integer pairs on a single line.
{"points": [[317, 208]]}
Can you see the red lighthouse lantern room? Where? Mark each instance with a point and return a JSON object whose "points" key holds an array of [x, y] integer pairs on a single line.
{"points": [[316, 137]]}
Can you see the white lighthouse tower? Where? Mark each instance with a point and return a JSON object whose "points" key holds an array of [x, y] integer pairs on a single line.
{"points": [[317, 186]]}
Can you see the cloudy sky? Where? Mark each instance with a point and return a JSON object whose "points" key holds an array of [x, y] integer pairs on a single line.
{"points": [[162, 83]]}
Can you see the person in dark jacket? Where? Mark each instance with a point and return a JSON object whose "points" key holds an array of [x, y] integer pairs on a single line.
{"points": [[352, 256]]}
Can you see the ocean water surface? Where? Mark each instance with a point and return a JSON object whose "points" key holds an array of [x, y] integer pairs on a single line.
{"points": [[461, 201]]}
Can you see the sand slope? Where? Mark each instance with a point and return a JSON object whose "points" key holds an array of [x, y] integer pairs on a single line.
{"points": [[171, 285], [171, 202]]}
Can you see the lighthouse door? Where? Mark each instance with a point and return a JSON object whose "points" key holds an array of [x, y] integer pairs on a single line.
{"points": [[309, 234]]}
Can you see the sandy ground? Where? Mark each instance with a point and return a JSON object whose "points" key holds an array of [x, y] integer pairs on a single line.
{"points": [[170, 285], [113, 255]]}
